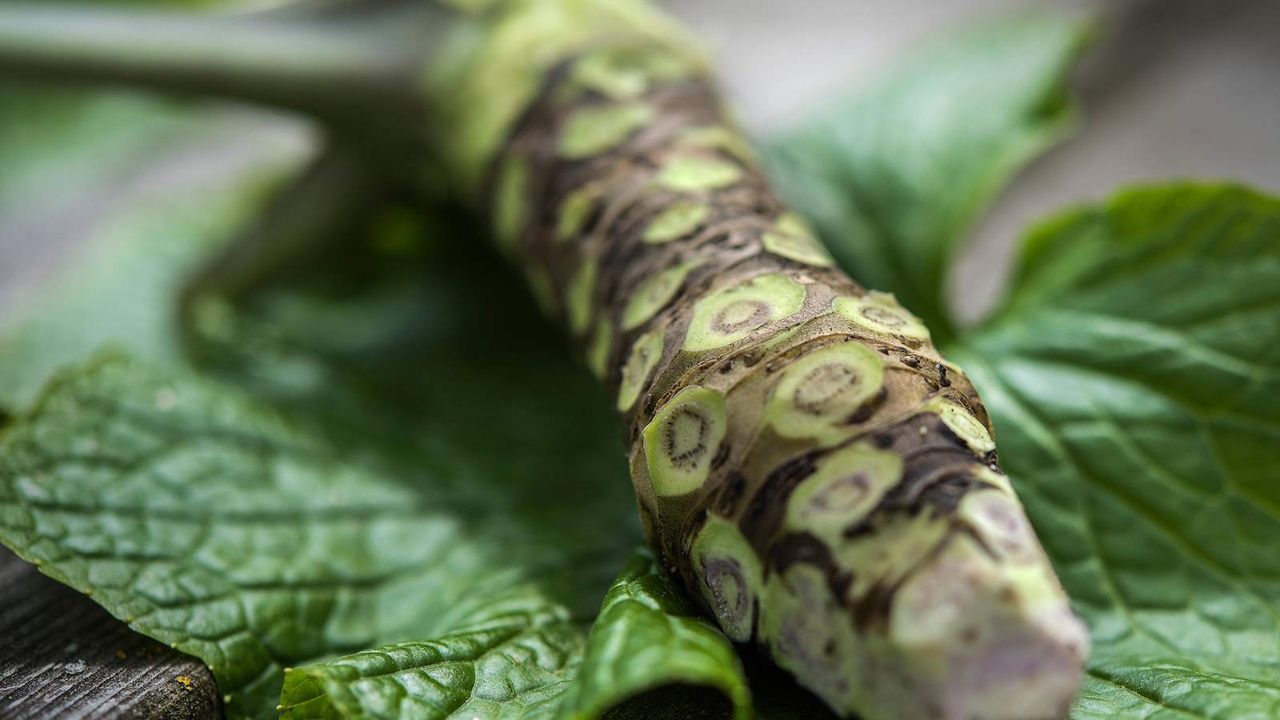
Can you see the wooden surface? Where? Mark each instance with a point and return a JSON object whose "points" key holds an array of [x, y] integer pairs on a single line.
{"points": [[62, 656]]}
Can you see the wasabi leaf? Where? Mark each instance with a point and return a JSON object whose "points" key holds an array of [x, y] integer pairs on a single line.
{"points": [[646, 639], [210, 522], [892, 176], [650, 638], [210, 525], [517, 667], [1134, 378]]}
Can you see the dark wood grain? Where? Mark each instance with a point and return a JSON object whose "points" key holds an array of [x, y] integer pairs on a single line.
{"points": [[63, 656]]}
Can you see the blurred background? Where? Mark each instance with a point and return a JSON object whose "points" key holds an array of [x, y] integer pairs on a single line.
{"points": [[1171, 89]]}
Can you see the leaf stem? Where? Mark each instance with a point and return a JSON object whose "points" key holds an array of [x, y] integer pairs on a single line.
{"points": [[329, 70]]}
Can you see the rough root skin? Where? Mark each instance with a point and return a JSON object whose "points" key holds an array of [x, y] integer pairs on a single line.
{"points": [[805, 460]]}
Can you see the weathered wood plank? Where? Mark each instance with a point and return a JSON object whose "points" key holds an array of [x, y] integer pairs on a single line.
{"points": [[63, 656]]}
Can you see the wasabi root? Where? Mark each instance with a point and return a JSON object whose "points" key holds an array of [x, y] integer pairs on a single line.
{"points": [[809, 466]]}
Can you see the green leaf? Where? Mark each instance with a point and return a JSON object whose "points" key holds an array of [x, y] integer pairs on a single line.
{"points": [[650, 638], [1134, 379], [515, 668], [647, 639], [213, 524], [209, 524], [893, 176]]}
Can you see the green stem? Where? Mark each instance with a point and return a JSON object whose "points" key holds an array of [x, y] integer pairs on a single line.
{"points": [[325, 70]]}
